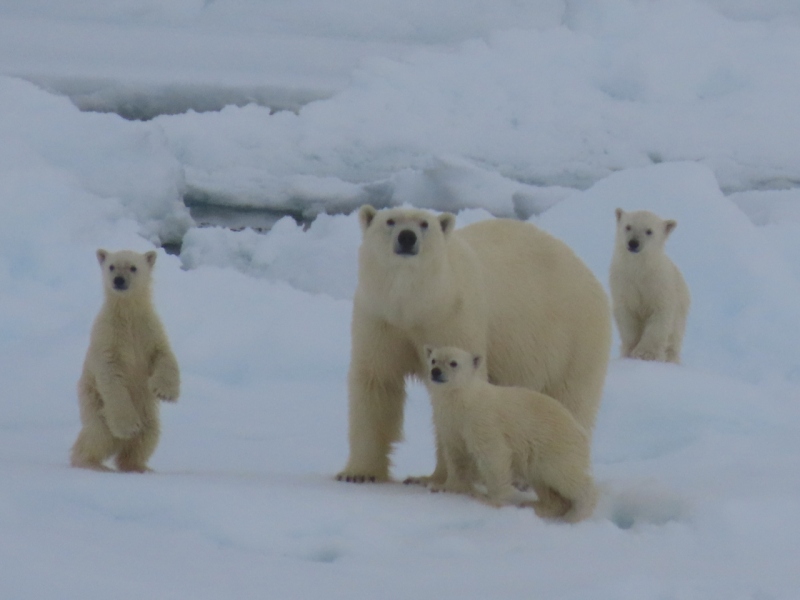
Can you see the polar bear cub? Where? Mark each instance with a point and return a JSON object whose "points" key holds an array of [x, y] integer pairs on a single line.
{"points": [[501, 436], [650, 299], [129, 366]]}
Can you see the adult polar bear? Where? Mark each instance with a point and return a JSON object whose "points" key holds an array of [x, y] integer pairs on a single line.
{"points": [[499, 288]]}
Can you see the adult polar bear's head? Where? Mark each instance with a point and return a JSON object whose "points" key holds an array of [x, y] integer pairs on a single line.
{"points": [[404, 233], [404, 269]]}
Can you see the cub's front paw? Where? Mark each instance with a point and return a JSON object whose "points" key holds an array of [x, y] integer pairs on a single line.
{"points": [[164, 388]]}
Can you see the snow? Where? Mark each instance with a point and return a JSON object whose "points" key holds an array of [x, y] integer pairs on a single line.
{"points": [[556, 111]]}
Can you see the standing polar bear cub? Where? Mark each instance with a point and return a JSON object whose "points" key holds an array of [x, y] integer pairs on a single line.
{"points": [[649, 296], [129, 366], [500, 288], [501, 436]]}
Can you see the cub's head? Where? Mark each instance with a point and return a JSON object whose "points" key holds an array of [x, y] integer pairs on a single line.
{"points": [[642, 231], [450, 366], [403, 234], [126, 273]]}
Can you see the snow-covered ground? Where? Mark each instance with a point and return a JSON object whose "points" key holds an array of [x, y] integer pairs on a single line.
{"points": [[558, 111]]}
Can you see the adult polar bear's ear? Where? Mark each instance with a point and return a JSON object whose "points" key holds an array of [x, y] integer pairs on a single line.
{"points": [[669, 226], [102, 255], [150, 257], [365, 215], [619, 212], [447, 221]]}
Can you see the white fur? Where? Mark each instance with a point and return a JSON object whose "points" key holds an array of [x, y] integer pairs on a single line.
{"points": [[502, 436], [499, 288], [649, 296], [129, 365]]}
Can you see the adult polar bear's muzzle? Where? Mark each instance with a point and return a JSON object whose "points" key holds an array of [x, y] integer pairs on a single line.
{"points": [[406, 243]]}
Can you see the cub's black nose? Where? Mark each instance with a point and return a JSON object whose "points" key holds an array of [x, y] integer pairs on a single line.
{"points": [[406, 240], [119, 282], [633, 245], [436, 374]]}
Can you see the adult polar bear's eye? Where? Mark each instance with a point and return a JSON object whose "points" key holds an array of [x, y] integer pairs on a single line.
{"points": [[390, 222], [453, 364], [649, 232], [424, 225], [111, 268], [133, 269]]}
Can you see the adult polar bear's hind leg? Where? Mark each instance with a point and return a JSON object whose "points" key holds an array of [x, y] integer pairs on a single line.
{"points": [[500, 288]]}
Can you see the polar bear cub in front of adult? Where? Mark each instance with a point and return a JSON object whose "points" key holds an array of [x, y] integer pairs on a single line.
{"points": [[650, 299], [501, 436], [129, 366]]}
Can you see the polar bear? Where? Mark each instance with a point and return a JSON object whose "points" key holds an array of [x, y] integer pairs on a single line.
{"points": [[506, 436], [500, 288], [649, 297], [129, 366]]}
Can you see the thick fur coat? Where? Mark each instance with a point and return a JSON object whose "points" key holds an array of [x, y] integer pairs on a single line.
{"points": [[499, 437], [129, 366], [650, 298]]}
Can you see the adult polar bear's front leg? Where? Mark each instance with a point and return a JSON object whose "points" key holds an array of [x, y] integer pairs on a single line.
{"points": [[380, 361]]}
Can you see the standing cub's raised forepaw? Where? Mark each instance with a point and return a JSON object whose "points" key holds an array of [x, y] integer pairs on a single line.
{"points": [[164, 390]]}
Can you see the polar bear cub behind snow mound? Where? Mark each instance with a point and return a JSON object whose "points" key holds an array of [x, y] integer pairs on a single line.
{"points": [[129, 366], [501, 436], [650, 299]]}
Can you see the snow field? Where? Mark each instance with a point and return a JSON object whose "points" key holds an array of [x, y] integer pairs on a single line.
{"points": [[557, 113]]}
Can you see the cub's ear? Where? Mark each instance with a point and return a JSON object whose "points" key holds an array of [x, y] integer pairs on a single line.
{"points": [[619, 212], [669, 226], [150, 257], [476, 361], [428, 351], [102, 255], [447, 221], [365, 215]]}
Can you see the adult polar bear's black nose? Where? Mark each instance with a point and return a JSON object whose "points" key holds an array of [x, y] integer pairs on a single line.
{"points": [[633, 245], [119, 282], [436, 375], [406, 242]]}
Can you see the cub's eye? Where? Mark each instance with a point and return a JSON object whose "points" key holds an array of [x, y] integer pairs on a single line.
{"points": [[390, 222], [133, 269], [453, 364], [424, 225], [627, 227], [111, 268], [649, 232], [433, 361]]}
